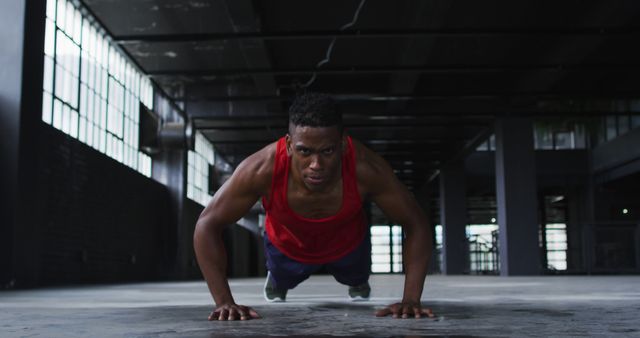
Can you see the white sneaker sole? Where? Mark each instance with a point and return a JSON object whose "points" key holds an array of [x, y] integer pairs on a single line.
{"points": [[264, 292], [358, 299]]}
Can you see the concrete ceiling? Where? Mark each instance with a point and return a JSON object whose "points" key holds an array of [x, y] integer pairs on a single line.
{"points": [[421, 82]]}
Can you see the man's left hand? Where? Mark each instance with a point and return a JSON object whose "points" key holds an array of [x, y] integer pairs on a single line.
{"points": [[405, 310]]}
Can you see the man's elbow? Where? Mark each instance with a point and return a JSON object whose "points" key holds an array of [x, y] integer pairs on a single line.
{"points": [[203, 229], [419, 230], [197, 234]]}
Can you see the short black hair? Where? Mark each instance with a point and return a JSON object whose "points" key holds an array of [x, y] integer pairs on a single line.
{"points": [[311, 109]]}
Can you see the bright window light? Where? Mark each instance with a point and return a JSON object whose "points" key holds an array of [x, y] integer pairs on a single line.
{"points": [[556, 238], [198, 162], [386, 248], [90, 90]]}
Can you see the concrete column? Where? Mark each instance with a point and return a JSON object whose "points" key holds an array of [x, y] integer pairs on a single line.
{"points": [[453, 217], [11, 35], [516, 194], [22, 34], [170, 169]]}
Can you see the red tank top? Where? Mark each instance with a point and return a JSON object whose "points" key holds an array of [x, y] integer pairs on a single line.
{"points": [[314, 241]]}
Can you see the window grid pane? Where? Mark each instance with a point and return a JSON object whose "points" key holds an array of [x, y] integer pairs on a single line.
{"points": [[90, 90], [556, 238], [47, 107], [51, 9], [198, 163], [386, 248]]}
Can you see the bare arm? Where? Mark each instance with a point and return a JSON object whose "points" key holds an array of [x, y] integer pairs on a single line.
{"points": [[400, 206], [232, 201]]}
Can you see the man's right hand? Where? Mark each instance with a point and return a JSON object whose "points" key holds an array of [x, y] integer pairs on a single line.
{"points": [[233, 312]]}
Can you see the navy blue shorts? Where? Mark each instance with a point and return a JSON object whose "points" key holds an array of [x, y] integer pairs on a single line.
{"points": [[286, 273]]}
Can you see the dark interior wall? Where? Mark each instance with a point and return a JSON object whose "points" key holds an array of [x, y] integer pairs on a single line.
{"points": [[550, 165], [69, 213], [601, 238], [100, 220], [245, 253], [190, 216], [613, 236], [243, 247], [621, 151], [22, 24]]}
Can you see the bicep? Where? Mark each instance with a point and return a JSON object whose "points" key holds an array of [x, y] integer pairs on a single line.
{"points": [[397, 202], [391, 195]]}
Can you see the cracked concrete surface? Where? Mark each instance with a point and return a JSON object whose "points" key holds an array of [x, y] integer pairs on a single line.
{"points": [[465, 306]]}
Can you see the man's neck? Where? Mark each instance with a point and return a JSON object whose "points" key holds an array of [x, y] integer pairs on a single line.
{"points": [[299, 186]]}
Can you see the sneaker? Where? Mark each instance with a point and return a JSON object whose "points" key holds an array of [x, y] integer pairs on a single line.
{"points": [[360, 292], [271, 294]]}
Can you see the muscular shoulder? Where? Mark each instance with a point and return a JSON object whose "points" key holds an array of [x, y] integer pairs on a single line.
{"points": [[255, 171], [371, 168]]}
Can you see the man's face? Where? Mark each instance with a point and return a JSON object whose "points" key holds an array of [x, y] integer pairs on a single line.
{"points": [[316, 154]]}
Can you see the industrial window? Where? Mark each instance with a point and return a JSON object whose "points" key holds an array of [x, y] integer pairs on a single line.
{"points": [[556, 241], [199, 163], [559, 137], [482, 254], [483, 251], [90, 91], [438, 253], [547, 137], [386, 248], [617, 125], [488, 145], [635, 121], [611, 130]]}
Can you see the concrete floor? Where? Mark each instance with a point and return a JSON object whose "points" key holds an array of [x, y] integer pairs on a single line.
{"points": [[465, 306]]}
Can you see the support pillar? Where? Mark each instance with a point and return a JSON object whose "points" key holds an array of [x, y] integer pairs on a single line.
{"points": [[453, 217], [12, 35], [170, 169], [516, 193], [22, 25]]}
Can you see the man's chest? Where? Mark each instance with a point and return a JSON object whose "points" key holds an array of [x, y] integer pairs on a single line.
{"points": [[315, 206]]}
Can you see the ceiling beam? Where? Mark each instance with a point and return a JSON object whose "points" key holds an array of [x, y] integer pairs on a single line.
{"points": [[506, 32], [281, 124], [373, 118], [381, 97], [387, 69], [217, 136]]}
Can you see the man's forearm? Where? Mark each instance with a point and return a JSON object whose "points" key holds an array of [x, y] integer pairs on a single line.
{"points": [[212, 259], [417, 251]]}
